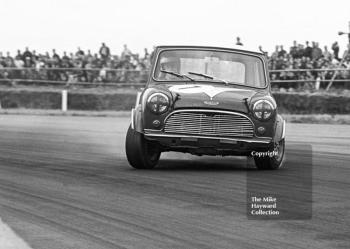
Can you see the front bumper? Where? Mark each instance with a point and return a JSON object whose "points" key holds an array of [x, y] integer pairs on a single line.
{"points": [[209, 145]]}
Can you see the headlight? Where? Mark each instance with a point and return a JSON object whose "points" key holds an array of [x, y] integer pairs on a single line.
{"points": [[158, 103], [263, 109]]}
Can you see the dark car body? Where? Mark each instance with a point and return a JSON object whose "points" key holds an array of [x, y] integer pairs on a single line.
{"points": [[203, 114]]}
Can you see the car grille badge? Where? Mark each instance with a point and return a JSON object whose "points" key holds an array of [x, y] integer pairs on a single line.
{"points": [[211, 102]]}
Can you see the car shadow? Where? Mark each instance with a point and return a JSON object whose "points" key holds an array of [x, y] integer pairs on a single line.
{"points": [[205, 164], [295, 154]]}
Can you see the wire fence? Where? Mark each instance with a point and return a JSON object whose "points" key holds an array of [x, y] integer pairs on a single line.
{"points": [[290, 78]]}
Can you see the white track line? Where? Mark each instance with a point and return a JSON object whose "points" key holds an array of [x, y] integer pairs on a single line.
{"points": [[9, 239]]}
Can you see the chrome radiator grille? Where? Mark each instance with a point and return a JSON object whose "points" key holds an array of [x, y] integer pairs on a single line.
{"points": [[209, 124]]}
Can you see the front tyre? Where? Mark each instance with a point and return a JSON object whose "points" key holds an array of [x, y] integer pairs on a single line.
{"points": [[141, 153], [274, 162]]}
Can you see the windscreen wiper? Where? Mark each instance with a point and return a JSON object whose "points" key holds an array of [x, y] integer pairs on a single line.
{"points": [[177, 74], [208, 77]]}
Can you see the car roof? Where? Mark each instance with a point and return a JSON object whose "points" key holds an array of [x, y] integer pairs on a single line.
{"points": [[234, 48]]}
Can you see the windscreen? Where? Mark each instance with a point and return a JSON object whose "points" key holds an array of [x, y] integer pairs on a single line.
{"points": [[207, 65]]}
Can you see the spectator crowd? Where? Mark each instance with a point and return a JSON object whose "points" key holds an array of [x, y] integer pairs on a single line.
{"points": [[307, 58], [85, 66], [81, 66]]}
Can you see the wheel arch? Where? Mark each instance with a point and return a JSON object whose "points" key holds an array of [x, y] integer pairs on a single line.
{"points": [[280, 129], [136, 119], [136, 115]]}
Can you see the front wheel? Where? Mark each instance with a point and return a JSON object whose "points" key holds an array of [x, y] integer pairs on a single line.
{"points": [[273, 162], [141, 153]]}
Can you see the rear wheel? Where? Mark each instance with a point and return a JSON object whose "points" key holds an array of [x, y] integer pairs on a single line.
{"points": [[274, 162], [141, 153]]}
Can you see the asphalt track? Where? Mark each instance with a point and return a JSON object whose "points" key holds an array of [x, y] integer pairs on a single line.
{"points": [[65, 183]]}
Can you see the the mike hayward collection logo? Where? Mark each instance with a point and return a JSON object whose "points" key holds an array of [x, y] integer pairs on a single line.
{"points": [[211, 91]]}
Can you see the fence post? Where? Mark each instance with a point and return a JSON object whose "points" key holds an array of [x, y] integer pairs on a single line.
{"points": [[64, 100]]}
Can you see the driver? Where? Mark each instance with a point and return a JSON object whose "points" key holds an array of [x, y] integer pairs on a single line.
{"points": [[168, 64]]}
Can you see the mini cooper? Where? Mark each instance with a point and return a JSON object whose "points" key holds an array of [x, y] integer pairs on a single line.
{"points": [[206, 101]]}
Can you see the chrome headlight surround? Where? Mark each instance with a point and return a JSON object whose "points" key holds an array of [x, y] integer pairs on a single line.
{"points": [[158, 103], [263, 109]]}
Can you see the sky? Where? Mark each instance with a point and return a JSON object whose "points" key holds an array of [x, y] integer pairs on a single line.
{"points": [[67, 24]]}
